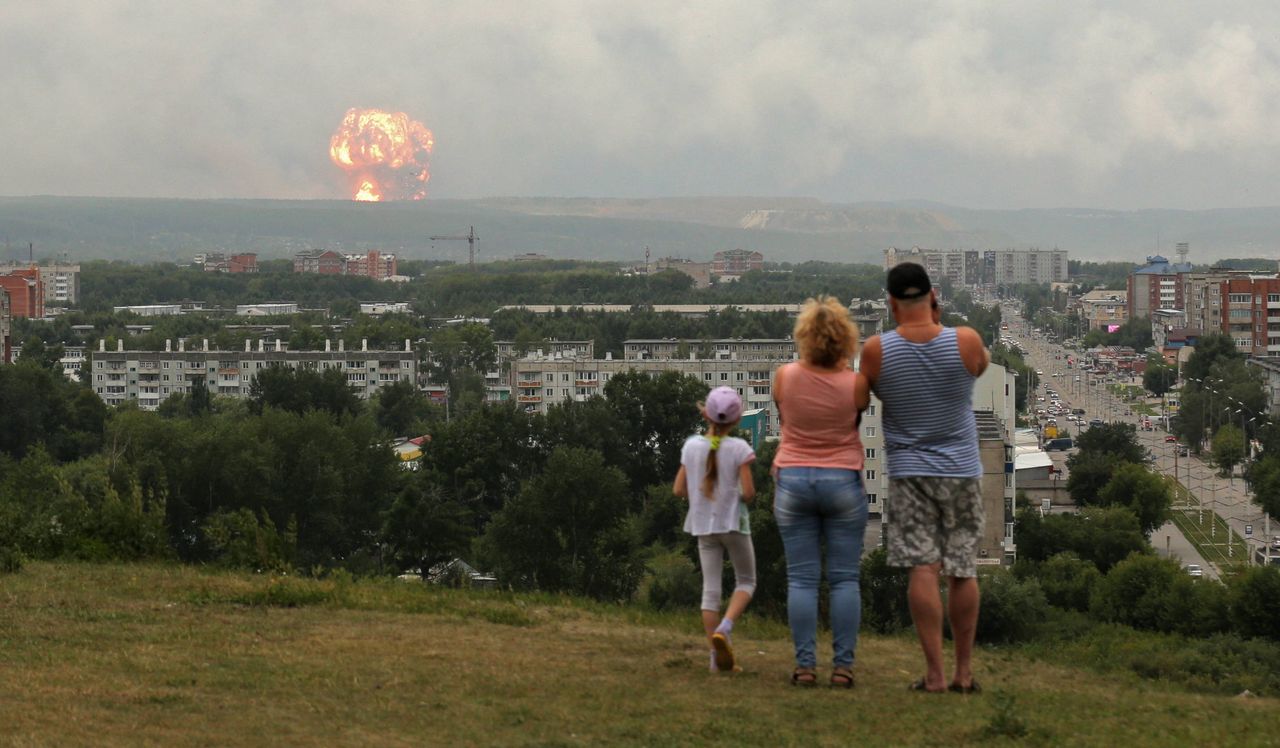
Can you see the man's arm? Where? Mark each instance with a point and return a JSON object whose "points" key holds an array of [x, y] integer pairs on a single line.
{"points": [[975, 355], [869, 366]]}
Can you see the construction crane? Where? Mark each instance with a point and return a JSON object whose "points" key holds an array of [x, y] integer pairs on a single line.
{"points": [[470, 239]]}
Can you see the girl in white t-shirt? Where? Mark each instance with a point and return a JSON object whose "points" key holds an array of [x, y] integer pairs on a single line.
{"points": [[715, 474]]}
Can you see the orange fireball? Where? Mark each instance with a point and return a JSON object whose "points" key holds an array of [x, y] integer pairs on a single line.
{"points": [[385, 153]]}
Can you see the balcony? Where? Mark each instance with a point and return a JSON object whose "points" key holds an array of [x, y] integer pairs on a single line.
{"points": [[759, 383], [529, 399], [587, 382], [229, 371], [535, 383]]}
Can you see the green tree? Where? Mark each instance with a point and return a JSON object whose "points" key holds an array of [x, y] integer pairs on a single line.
{"points": [[1135, 592], [300, 390], [1101, 535], [401, 409], [1147, 495], [1264, 477], [1255, 602], [34, 351], [654, 414], [567, 531], [1228, 448], [1158, 376], [425, 526]]}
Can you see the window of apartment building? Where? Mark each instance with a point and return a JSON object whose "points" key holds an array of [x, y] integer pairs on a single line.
{"points": [[871, 410], [99, 377], [165, 364], [707, 376], [759, 390], [869, 475], [1273, 298], [741, 376], [724, 376], [564, 377], [551, 393], [871, 498], [564, 393], [550, 377], [871, 430], [871, 453], [1238, 298]]}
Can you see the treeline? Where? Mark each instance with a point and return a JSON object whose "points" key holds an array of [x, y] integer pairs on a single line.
{"points": [[456, 290]]}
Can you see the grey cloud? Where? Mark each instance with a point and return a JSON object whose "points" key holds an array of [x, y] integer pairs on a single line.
{"points": [[990, 103]]}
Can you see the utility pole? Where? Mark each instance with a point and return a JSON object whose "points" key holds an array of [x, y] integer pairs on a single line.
{"points": [[471, 239]]}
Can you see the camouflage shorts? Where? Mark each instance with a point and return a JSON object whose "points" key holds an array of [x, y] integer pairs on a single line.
{"points": [[933, 519]]}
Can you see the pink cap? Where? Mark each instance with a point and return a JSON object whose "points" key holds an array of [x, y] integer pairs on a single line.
{"points": [[723, 405]]}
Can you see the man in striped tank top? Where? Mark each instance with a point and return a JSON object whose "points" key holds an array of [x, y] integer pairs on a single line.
{"points": [[923, 374]]}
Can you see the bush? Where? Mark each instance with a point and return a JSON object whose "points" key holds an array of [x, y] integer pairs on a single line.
{"points": [[884, 594], [1011, 610], [10, 560], [1255, 602], [239, 540], [1068, 581], [671, 582], [1153, 593]]}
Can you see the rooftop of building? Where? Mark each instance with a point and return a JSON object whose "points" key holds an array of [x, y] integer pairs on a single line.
{"points": [[1158, 265]]}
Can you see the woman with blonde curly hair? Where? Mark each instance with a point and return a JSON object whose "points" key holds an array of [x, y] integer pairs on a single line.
{"points": [[819, 494]]}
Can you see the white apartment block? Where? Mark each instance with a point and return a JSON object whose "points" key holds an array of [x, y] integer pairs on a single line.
{"points": [[1027, 265], [967, 267], [542, 381], [148, 377]]}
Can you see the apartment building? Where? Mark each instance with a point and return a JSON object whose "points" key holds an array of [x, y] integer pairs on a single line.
{"points": [[1103, 310], [322, 261], [1155, 285], [149, 377], [372, 264], [60, 282], [966, 268], [222, 262], [1270, 368], [26, 292], [736, 262], [1251, 314], [150, 310], [542, 381], [6, 326]]}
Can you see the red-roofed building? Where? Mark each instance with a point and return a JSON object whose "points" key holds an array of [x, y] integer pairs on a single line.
{"points": [[26, 294]]}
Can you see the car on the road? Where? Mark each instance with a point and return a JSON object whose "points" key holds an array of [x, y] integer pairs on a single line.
{"points": [[1171, 439], [1183, 450], [1194, 570], [1096, 422]]}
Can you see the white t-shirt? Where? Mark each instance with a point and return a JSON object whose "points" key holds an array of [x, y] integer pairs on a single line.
{"points": [[725, 511]]}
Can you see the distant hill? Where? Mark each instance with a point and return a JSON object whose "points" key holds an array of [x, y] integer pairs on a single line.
{"points": [[784, 229]]}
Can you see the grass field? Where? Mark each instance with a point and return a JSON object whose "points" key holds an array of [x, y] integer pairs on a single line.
{"points": [[174, 656]]}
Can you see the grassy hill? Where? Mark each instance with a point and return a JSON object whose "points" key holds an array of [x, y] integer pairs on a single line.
{"points": [[167, 655]]}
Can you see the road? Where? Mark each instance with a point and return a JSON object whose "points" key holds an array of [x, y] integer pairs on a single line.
{"points": [[1227, 497]]}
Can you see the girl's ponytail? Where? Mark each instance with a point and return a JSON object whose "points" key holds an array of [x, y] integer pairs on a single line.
{"points": [[715, 432]]}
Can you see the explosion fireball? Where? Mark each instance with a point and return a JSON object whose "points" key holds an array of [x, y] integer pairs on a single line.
{"points": [[385, 153]]}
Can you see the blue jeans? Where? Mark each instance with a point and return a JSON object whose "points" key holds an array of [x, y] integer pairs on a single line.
{"points": [[813, 504]]}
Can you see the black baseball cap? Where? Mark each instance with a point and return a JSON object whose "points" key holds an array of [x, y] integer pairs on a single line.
{"points": [[908, 281]]}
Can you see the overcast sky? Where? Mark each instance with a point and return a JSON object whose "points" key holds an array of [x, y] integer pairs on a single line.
{"points": [[1102, 104]]}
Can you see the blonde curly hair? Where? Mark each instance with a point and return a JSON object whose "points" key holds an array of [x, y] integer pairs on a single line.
{"points": [[824, 333]]}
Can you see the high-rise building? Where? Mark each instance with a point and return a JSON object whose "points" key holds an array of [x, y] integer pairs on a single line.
{"points": [[26, 292], [60, 282], [966, 268], [6, 345], [1155, 286], [1251, 314], [373, 264]]}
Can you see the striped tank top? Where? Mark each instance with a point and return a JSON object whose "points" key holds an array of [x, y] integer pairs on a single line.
{"points": [[927, 395]]}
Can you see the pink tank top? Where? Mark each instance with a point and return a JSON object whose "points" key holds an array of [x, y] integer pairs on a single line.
{"points": [[819, 426]]}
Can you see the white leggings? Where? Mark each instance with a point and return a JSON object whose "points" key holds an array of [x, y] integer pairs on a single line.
{"points": [[742, 555]]}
